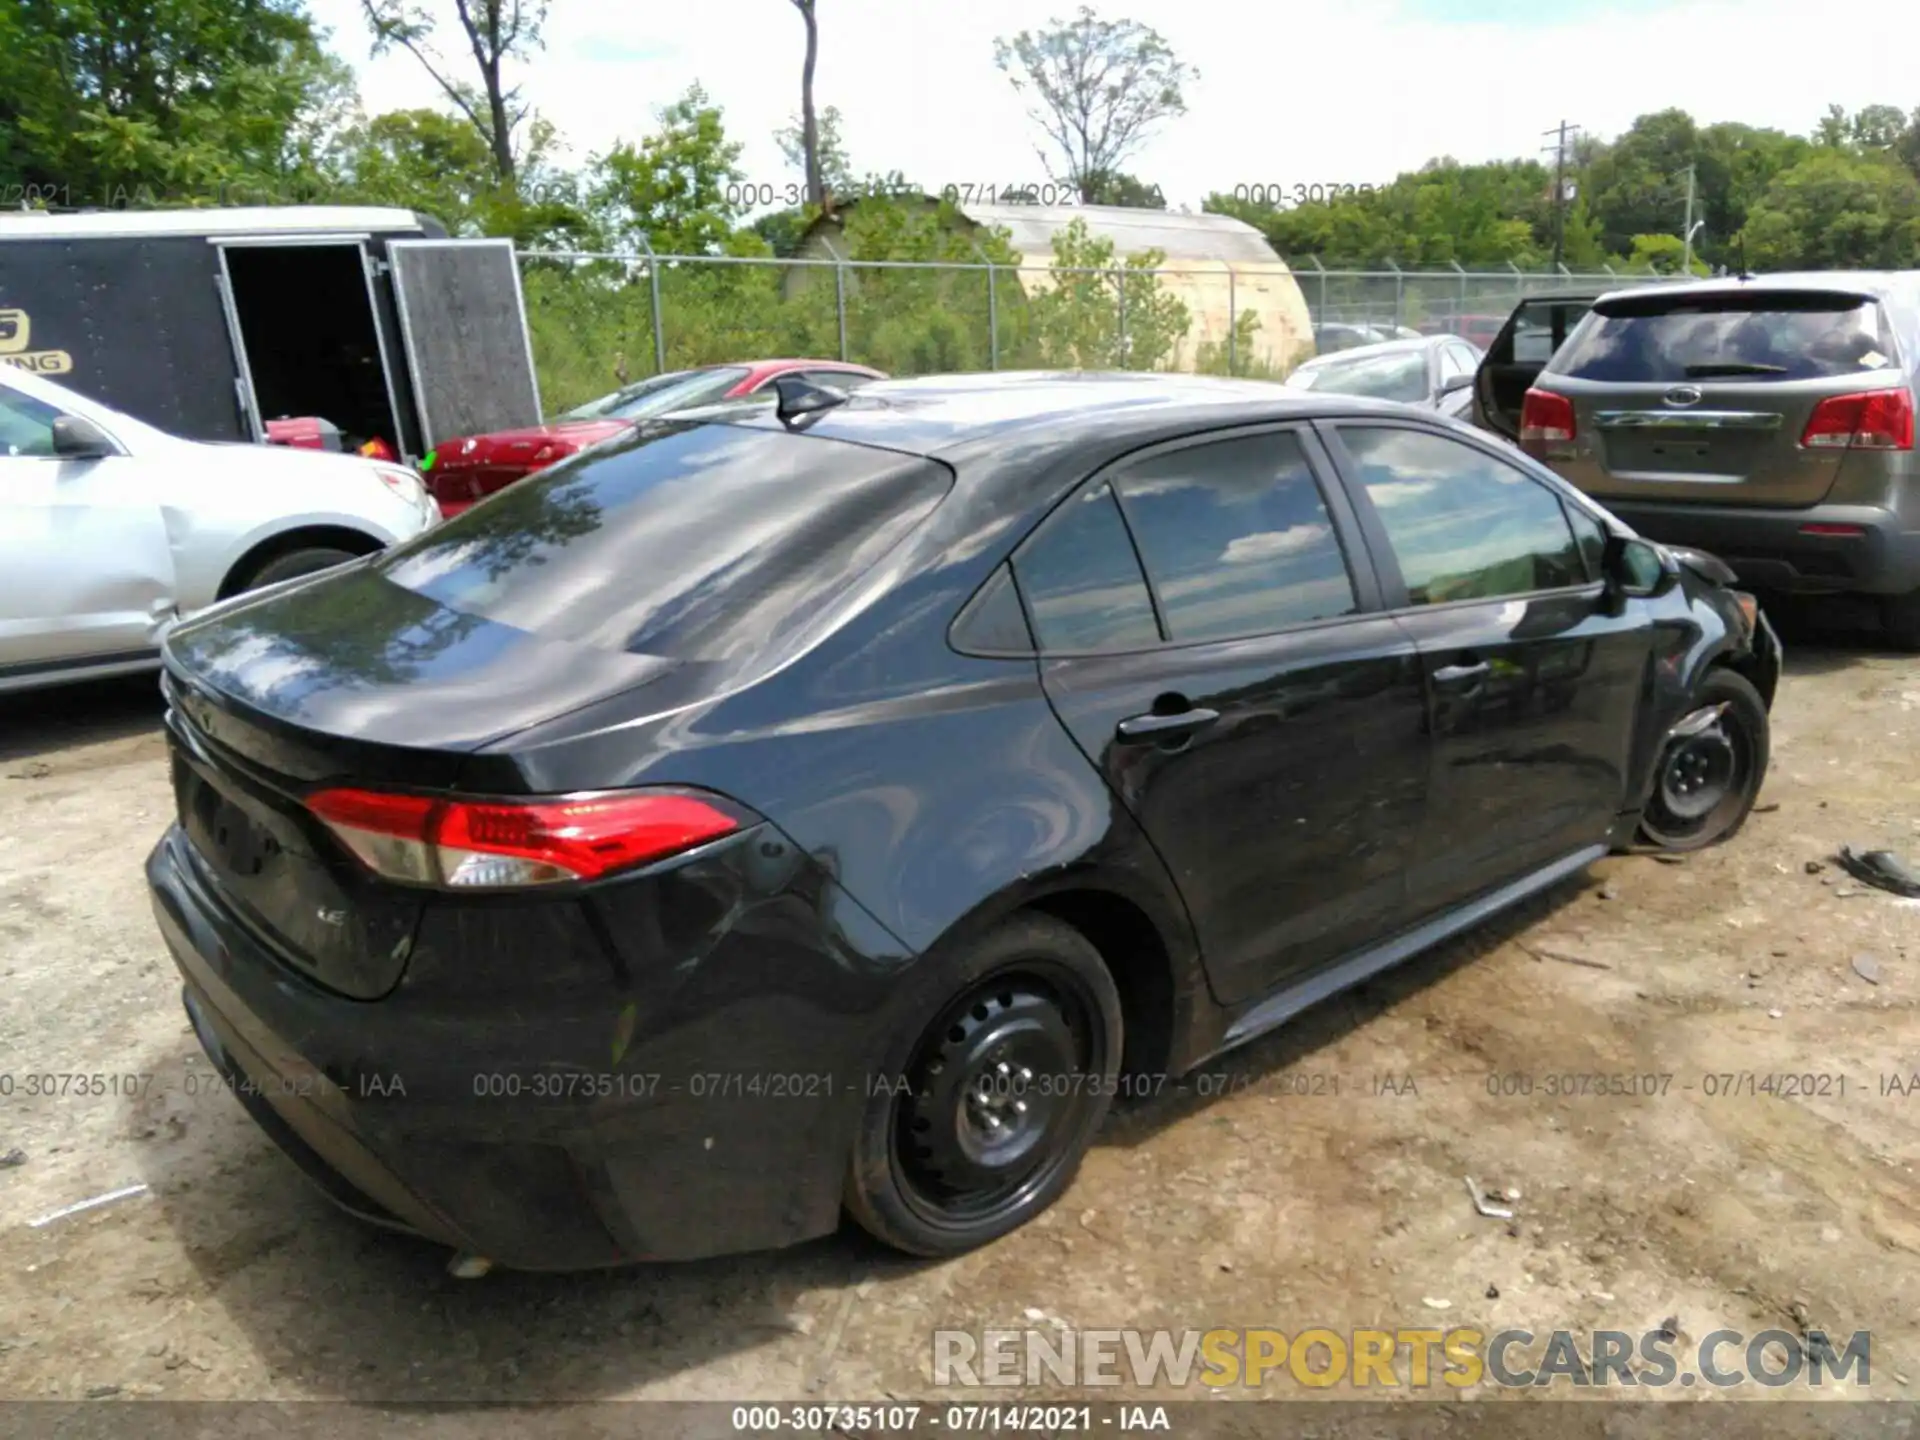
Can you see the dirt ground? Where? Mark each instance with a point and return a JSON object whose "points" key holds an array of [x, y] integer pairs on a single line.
{"points": [[231, 1278]]}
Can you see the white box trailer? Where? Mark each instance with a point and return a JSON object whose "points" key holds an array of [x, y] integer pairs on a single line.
{"points": [[210, 323]]}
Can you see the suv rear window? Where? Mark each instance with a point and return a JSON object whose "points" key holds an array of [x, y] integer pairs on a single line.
{"points": [[697, 542], [1745, 335]]}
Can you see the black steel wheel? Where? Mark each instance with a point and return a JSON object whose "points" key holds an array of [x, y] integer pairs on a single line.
{"points": [[996, 1097], [1711, 767]]}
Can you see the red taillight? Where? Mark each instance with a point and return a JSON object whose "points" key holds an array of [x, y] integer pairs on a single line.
{"points": [[1545, 419], [1874, 420], [1843, 532], [488, 844]]}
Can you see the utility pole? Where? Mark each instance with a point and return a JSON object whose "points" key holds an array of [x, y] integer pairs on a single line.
{"points": [[1686, 259], [1560, 135]]}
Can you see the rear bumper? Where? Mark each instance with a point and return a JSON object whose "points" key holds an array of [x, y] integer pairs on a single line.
{"points": [[528, 1129], [1769, 549]]}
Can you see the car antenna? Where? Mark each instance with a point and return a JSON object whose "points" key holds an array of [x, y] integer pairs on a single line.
{"points": [[798, 397]]}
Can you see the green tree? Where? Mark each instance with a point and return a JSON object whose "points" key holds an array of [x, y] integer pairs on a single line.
{"points": [[1121, 189], [1097, 313], [1663, 255], [104, 102], [679, 187], [836, 171], [1837, 210], [1098, 88], [496, 32]]}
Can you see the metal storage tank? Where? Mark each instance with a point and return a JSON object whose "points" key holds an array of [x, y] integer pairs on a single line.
{"points": [[1216, 265]]}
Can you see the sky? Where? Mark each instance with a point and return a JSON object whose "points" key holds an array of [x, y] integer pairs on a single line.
{"points": [[1314, 93]]}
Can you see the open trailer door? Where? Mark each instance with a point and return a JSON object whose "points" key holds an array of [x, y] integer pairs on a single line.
{"points": [[464, 325]]}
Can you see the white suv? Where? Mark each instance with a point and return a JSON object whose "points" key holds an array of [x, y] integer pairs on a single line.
{"points": [[110, 529]]}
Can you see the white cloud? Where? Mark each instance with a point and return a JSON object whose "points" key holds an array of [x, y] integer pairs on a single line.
{"points": [[1272, 544], [1288, 94]]}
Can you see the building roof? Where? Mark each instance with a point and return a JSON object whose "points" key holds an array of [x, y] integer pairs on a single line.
{"points": [[1132, 231], [234, 220]]}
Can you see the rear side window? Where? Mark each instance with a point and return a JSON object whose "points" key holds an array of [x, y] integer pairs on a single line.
{"points": [[1082, 580], [1399, 376], [1236, 538], [26, 425], [1463, 525], [1744, 335], [693, 542]]}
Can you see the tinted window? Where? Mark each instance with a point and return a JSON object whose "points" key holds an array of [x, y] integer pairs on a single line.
{"points": [[1401, 375], [992, 623], [700, 387], [1236, 538], [1540, 327], [838, 379], [1082, 580], [1749, 336], [1463, 525], [696, 542], [26, 425], [1591, 536], [653, 384]]}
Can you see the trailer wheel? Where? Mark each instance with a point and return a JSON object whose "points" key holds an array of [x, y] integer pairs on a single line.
{"points": [[292, 564]]}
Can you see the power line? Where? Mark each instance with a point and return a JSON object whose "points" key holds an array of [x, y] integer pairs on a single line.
{"points": [[1560, 135]]}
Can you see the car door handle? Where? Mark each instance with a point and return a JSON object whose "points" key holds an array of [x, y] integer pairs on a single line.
{"points": [[1457, 675], [1167, 727]]}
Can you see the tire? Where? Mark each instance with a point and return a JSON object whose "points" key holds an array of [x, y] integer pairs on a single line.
{"points": [[1704, 785], [309, 560], [1900, 619], [998, 1085]]}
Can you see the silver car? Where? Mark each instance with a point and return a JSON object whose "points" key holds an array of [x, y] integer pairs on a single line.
{"points": [[1769, 421], [110, 530], [1432, 371]]}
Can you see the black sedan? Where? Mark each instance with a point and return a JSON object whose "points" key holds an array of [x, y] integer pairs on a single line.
{"points": [[765, 818]]}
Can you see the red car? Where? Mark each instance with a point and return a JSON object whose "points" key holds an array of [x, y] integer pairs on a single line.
{"points": [[470, 468]]}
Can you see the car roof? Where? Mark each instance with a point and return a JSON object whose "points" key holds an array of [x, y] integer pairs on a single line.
{"points": [[1405, 343], [1881, 283], [952, 417]]}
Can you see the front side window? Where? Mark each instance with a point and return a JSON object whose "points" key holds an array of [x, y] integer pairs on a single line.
{"points": [[1236, 538], [1463, 525], [1081, 579], [26, 425]]}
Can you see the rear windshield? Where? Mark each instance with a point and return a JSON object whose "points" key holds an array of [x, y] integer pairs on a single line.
{"points": [[1744, 336], [697, 542], [1401, 376]]}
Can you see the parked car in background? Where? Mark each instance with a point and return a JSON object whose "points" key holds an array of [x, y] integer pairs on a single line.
{"points": [[110, 529], [1768, 420], [839, 829], [1476, 329], [470, 468], [1434, 371], [1331, 339]]}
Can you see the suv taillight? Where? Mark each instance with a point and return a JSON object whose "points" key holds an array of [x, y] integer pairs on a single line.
{"points": [[1545, 419], [497, 844], [1873, 420]]}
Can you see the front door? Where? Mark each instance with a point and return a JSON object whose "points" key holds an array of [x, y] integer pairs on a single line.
{"points": [[1211, 649], [1516, 356], [86, 570], [1533, 687]]}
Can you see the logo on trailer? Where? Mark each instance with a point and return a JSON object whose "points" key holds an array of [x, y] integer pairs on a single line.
{"points": [[1681, 396], [16, 327]]}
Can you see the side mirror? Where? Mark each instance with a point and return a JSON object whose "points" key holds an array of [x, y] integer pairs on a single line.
{"points": [[1635, 567], [75, 438], [1454, 384]]}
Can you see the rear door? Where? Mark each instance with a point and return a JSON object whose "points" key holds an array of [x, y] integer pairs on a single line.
{"points": [[1514, 359], [463, 325], [1533, 688], [1706, 397], [1210, 637]]}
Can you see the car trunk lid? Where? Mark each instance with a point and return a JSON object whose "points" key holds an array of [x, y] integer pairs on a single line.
{"points": [[348, 678], [1705, 398]]}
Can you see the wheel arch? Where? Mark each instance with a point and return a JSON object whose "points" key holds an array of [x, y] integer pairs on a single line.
{"points": [[300, 537]]}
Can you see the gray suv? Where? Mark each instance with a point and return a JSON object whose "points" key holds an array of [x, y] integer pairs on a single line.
{"points": [[1769, 421]]}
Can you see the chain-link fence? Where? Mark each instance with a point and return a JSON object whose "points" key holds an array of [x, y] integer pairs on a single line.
{"points": [[601, 320]]}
